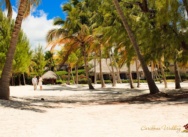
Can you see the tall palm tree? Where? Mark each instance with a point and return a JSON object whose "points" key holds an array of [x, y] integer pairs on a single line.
{"points": [[80, 40], [23, 11], [8, 7], [152, 86]]}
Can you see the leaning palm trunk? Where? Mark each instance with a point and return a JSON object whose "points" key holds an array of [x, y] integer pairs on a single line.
{"points": [[130, 76], [95, 74], [151, 84], [6, 73], [86, 68], [76, 69]]}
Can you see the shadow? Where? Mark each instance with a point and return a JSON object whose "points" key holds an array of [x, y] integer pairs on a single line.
{"points": [[27, 103], [100, 96], [61, 88], [171, 97]]}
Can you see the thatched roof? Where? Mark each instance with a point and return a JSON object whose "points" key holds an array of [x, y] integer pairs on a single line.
{"points": [[49, 75], [107, 68]]}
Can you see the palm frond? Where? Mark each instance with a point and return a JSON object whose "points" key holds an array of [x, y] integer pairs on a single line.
{"points": [[58, 21]]}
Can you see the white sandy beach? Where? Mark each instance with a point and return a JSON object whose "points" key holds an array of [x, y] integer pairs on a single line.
{"points": [[63, 114]]}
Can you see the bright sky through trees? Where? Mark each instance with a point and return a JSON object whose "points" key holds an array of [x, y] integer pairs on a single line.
{"points": [[40, 21]]}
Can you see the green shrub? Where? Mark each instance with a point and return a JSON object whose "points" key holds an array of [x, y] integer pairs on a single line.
{"points": [[60, 73], [170, 77], [80, 72], [59, 81], [82, 81]]}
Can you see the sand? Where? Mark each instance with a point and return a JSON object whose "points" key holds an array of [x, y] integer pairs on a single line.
{"points": [[75, 111]]}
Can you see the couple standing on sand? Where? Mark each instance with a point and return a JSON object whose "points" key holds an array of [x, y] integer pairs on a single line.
{"points": [[35, 82]]}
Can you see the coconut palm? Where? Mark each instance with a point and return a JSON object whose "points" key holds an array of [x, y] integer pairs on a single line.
{"points": [[152, 86], [23, 11], [8, 7], [80, 40]]}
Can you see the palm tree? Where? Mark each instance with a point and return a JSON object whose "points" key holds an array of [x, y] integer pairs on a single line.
{"points": [[23, 11], [8, 7], [152, 86], [80, 40]]}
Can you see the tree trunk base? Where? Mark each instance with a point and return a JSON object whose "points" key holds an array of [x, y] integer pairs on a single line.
{"points": [[91, 87]]}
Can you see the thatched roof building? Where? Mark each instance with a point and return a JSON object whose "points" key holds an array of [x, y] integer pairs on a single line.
{"points": [[49, 77], [107, 68]]}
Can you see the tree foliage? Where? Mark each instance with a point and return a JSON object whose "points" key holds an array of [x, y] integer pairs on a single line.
{"points": [[38, 58]]}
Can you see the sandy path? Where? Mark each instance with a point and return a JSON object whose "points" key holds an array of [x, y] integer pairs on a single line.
{"points": [[34, 118]]}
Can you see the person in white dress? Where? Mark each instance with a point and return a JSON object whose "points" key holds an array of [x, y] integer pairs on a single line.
{"points": [[40, 83]]}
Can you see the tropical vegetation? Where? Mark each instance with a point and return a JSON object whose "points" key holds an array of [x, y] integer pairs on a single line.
{"points": [[151, 33], [23, 11]]}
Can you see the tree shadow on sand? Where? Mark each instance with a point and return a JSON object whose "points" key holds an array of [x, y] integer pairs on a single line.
{"points": [[62, 88], [99, 96], [27, 103]]}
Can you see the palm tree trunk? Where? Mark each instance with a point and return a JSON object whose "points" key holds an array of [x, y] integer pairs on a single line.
{"points": [[76, 68], [117, 69], [86, 68], [24, 79], [19, 80], [130, 77], [101, 73], [151, 84], [95, 74], [118, 75], [152, 70], [113, 73], [72, 76], [6, 73], [137, 74], [69, 75]]}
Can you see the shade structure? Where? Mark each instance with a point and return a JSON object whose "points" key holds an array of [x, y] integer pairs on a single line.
{"points": [[49, 77], [107, 68]]}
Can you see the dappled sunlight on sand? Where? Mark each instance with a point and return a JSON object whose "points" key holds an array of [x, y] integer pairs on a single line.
{"points": [[75, 111]]}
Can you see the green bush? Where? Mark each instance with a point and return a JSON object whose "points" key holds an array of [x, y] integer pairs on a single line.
{"points": [[60, 73], [170, 77], [80, 72], [82, 81], [59, 81]]}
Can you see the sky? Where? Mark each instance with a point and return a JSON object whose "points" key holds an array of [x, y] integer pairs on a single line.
{"points": [[40, 21]]}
